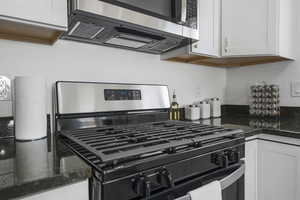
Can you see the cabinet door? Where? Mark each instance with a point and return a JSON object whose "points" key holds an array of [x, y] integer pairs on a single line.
{"points": [[278, 171], [209, 28], [249, 27], [50, 12], [251, 170]]}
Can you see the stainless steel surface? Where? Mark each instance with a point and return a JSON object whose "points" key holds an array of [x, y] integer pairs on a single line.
{"points": [[84, 97], [5, 88], [85, 30], [183, 10], [176, 52], [118, 13], [182, 51], [225, 182], [93, 122], [232, 178]]}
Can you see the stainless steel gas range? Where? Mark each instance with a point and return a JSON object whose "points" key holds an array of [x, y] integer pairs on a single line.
{"points": [[122, 131]]}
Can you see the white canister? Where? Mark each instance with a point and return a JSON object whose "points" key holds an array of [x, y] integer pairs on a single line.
{"points": [[215, 107], [204, 109], [192, 112]]}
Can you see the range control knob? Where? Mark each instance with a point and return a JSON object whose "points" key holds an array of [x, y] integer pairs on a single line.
{"points": [[142, 186], [220, 159], [137, 185], [231, 156]]}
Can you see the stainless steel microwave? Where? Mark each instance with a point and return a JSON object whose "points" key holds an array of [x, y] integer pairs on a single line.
{"points": [[153, 26], [183, 12]]}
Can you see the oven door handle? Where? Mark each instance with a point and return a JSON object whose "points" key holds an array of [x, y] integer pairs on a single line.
{"points": [[233, 177]]}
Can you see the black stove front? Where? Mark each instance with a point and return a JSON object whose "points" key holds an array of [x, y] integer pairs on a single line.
{"points": [[138, 153]]}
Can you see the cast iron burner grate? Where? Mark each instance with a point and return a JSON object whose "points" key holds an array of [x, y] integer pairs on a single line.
{"points": [[118, 143]]}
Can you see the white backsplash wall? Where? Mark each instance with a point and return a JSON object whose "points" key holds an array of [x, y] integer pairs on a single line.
{"points": [[68, 60], [239, 81]]}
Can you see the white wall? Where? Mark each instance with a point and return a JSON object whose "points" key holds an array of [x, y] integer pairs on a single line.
{"points": [[240, 79], [75, 61]]}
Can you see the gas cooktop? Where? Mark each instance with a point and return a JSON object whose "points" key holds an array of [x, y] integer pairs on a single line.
{"points": [[114, 144]]}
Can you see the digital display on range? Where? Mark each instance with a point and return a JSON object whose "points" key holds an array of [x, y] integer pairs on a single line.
{"points": [[120, 95]]}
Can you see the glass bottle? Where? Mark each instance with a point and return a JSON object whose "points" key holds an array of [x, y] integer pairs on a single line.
{"points": [[174, 114]]}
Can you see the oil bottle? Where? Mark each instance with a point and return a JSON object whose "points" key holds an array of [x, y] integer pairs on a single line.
{"points": [[174, 113]]}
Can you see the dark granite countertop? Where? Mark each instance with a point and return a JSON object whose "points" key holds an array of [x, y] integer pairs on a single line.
{"points": [[286, 127], [32, 167], [27, 168]]}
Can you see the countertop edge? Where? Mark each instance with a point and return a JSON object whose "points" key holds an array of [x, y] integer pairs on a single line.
{"points": [[44, 185], [278, 136]]}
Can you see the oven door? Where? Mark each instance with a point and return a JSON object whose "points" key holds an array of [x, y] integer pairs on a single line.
{"points": [[231, 180]]}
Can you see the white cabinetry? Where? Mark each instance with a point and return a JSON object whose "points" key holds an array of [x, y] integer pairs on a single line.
{"points": [[51, 12], [251, 170], [210, 28], [278, 171], [248, 27], [33, 20], [243, 32], [272, 170], [77, 191], [244, 28]]}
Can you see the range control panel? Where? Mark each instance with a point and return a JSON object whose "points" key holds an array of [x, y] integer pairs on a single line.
{"points": [[121, 94]]}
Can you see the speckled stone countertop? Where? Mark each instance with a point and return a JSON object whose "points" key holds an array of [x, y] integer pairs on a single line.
{"points": [[32, 167], [286, 127]]}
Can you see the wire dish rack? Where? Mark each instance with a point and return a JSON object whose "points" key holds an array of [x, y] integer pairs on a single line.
{"points": [[264, 100]]}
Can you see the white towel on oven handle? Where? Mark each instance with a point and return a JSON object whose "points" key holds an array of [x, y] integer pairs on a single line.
{"points": [[211, 191]]}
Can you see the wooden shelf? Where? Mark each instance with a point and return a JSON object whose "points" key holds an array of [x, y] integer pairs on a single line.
{"points": [[227, 62], [29, 33]]}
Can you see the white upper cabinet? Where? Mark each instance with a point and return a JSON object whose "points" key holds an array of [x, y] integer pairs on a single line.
{"points": [[48, 12], [245, 28], [209, 28], [248, 27], [32, 20]]}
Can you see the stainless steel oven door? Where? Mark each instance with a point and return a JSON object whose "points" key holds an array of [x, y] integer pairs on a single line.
{"points": [[235, 185]]}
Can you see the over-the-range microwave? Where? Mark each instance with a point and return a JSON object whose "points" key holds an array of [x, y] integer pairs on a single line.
{"points": [[153, 26]]}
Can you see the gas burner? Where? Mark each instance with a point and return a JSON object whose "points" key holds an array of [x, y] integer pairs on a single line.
{"points": [[114, 144]]}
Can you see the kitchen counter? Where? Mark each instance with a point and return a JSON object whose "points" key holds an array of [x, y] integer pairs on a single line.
{"points": [[27, 168], [285, 127]]}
